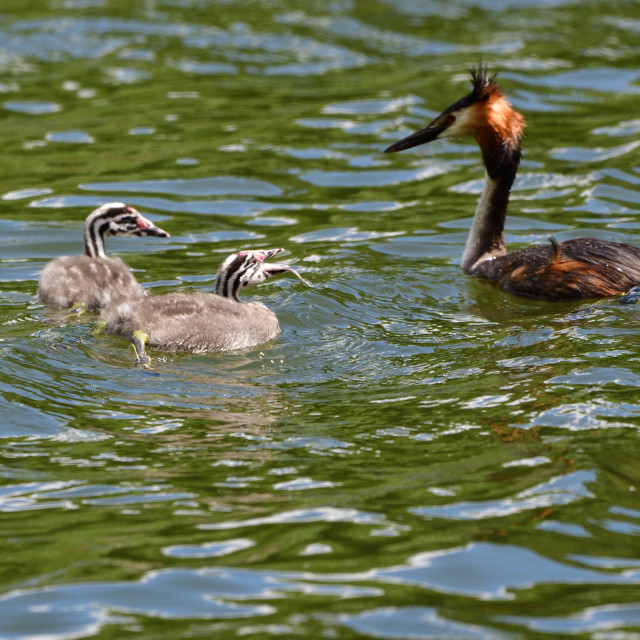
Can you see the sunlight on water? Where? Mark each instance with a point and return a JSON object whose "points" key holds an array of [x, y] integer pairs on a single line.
{"points": [[419, 455]]}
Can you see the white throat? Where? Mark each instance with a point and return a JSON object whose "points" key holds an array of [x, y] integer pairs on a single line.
{"points": [[481, 243]]}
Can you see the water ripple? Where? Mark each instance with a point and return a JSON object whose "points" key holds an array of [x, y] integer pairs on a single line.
{"points": [[419, 623], [419, 454], [558, 491], [602, 620], [468, 571], [214, 186], [31, 107], [321, 514]]}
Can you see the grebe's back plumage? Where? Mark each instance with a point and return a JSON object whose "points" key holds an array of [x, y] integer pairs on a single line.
{"points": [[201, 322], [573, 269], [93, 279]]}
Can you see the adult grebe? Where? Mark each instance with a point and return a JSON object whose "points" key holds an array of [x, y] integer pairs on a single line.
{"points": [[574, 269], [202, 322], [92, 281]]}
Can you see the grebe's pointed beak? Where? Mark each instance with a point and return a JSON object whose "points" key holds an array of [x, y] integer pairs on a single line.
{"points": [[147, 228], [429, 133], [268, 253], [156, 231]]}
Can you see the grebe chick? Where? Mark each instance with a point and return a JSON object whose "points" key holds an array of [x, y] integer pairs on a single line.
{"points": [[92, 281], [198, 321], [574, 269]]}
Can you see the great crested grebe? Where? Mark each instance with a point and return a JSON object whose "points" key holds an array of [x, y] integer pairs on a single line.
{"points": [[92, 281], [202, 322], [573, 269]]}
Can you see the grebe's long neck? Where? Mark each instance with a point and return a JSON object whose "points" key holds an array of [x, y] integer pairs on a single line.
{"points": [[94, 229], [486, 237]]}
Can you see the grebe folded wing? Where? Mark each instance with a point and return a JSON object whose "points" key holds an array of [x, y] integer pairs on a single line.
{"points": [[574, 269]]}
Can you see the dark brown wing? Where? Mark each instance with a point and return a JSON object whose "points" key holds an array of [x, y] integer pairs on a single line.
{"points": [[571, 270]]}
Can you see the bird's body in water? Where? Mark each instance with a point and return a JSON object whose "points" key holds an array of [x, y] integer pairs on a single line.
{"points": [[574, 269], [94, 280], [201, 322]]}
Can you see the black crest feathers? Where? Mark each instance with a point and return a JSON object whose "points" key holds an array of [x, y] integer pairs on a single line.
{"points": [[484, 85]]}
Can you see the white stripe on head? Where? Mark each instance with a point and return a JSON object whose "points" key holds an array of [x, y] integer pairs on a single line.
{"points": [[95, 226]]}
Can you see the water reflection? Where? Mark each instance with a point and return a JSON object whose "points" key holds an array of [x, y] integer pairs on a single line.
{"points": [[217, 593], [419, 454]]}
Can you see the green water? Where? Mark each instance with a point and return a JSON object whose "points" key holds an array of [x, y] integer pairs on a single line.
{"points": [[419, 454]]}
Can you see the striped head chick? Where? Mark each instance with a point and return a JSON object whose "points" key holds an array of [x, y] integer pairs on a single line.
{"points": [[115, 219], [247, 268]]}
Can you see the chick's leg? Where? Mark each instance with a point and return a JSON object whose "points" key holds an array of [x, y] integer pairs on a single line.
{"points": [[138, 342]]}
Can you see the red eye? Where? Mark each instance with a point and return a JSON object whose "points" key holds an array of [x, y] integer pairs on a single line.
{"points": [[451, 118]]}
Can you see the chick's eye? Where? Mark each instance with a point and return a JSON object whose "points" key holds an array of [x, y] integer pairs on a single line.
{"points": [[451, 118]]}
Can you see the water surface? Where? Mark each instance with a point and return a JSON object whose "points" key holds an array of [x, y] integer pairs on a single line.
{"points": [[419, 454]]}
